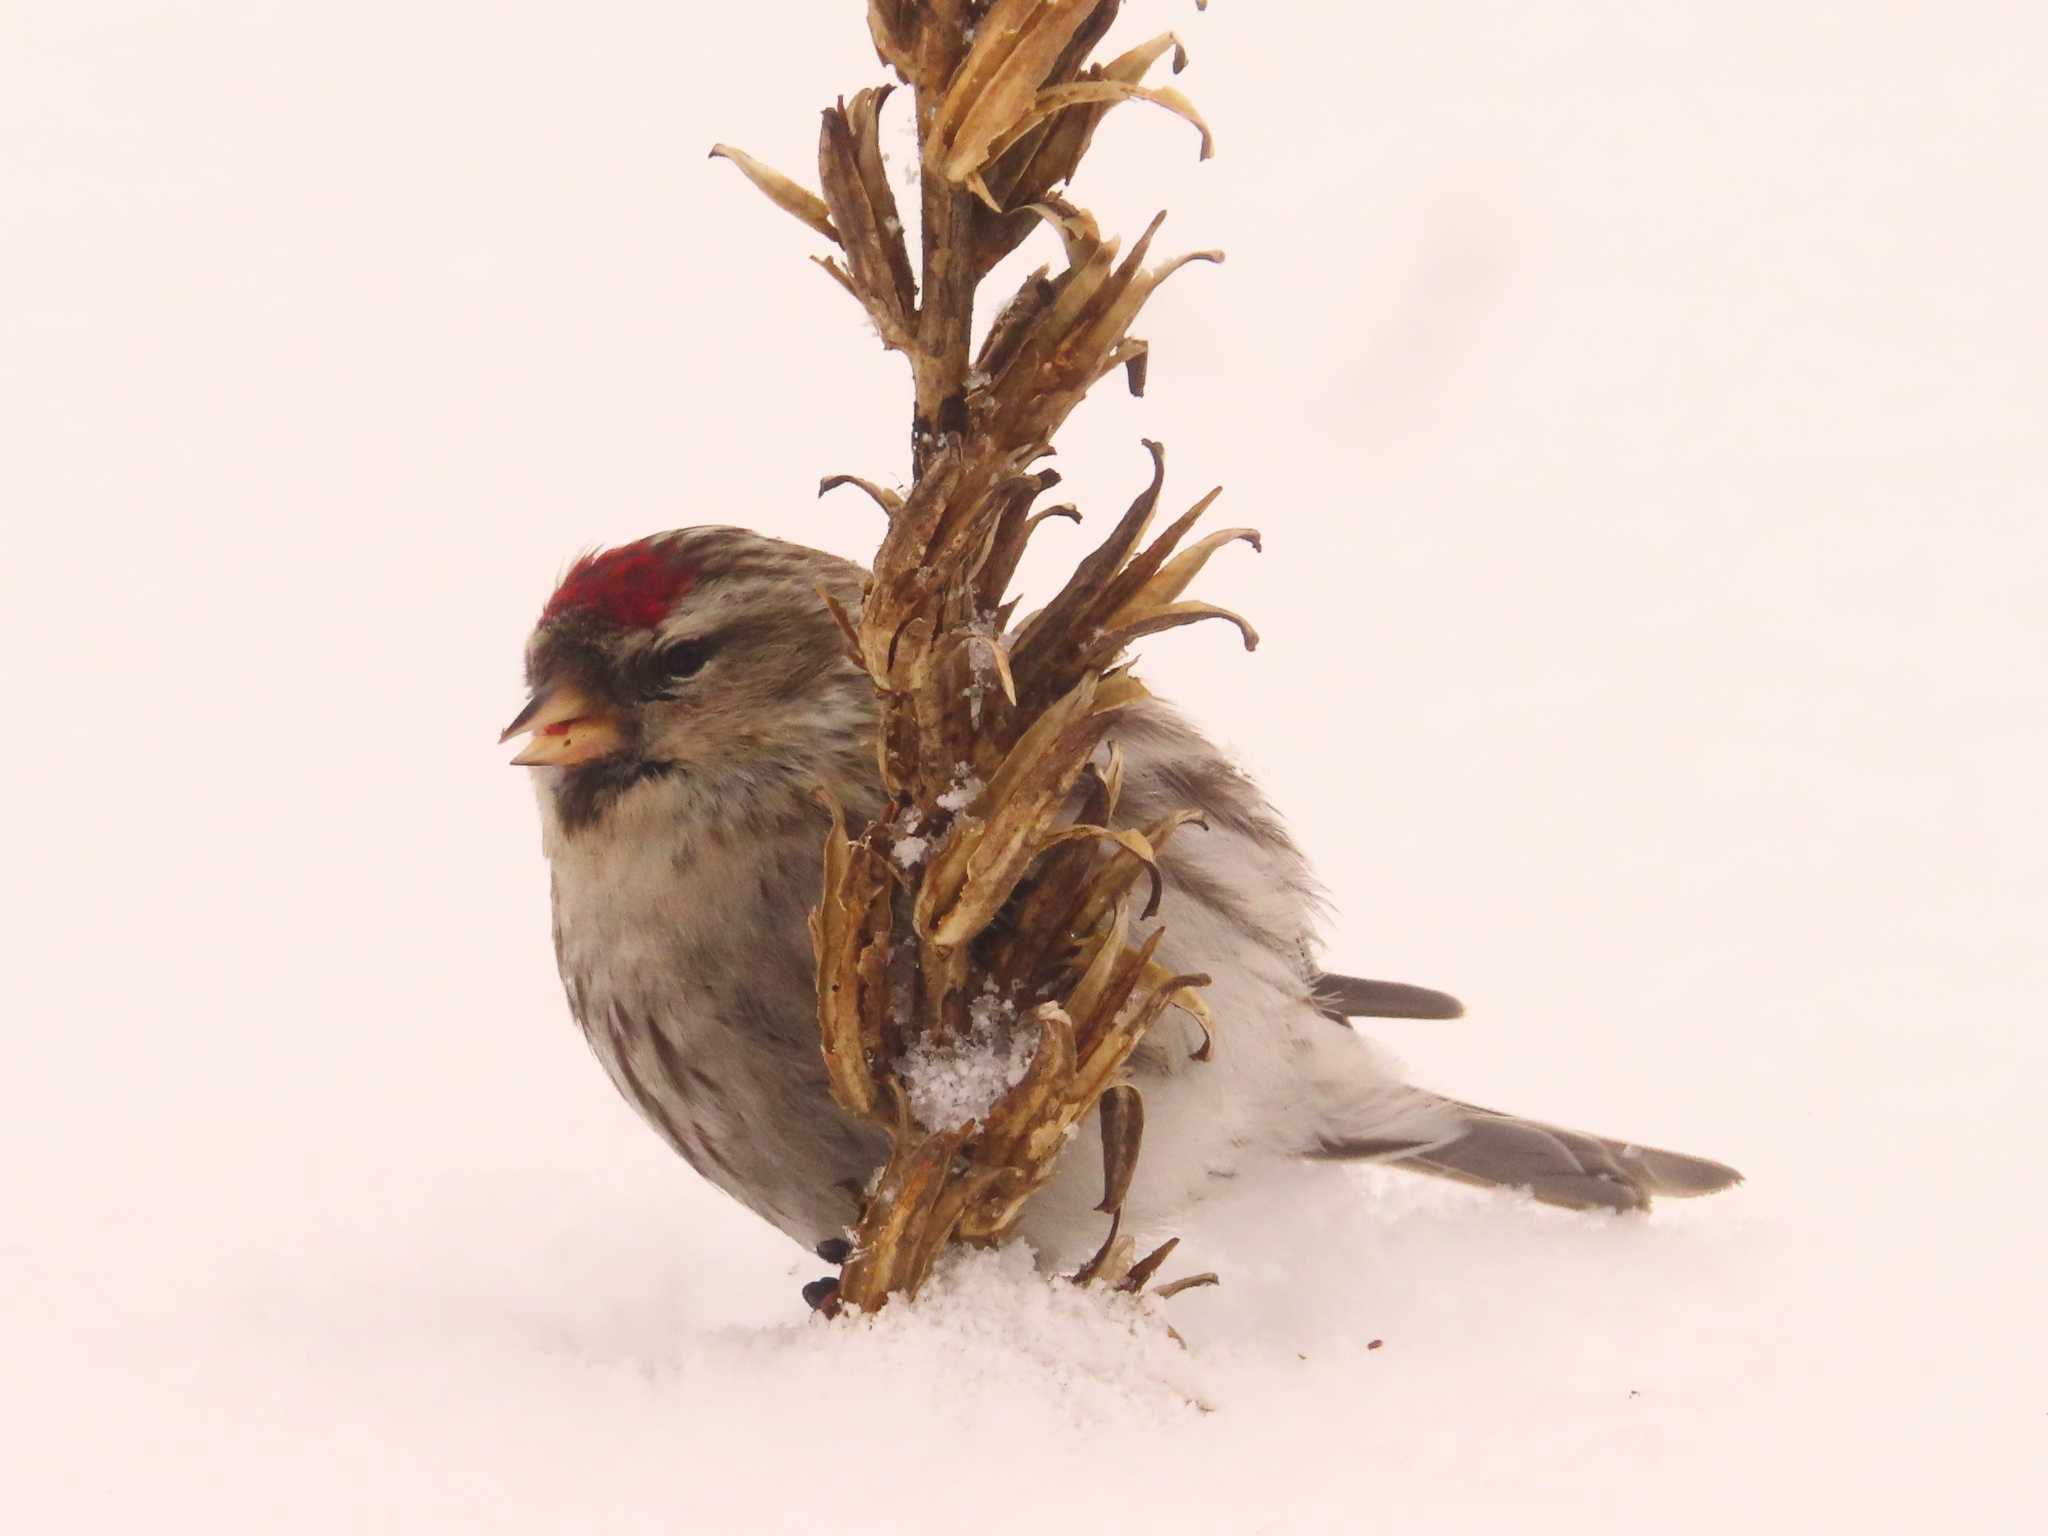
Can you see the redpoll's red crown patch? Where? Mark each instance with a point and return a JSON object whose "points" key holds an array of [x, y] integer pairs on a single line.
{"points": [[633, 586]]}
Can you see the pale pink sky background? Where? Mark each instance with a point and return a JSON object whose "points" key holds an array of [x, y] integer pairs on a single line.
{"points": [[1643, 405]]}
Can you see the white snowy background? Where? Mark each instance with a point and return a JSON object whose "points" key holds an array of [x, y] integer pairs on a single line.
{"points": [[1644, 406]]}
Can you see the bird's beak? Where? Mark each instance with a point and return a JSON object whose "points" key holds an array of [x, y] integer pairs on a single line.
{"points": [[567, 726]]}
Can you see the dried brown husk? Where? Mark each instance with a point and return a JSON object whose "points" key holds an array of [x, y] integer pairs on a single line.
{"points": [[997, 744]]}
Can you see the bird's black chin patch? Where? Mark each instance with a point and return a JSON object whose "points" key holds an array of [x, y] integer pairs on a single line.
{"points": [[587, 792]]}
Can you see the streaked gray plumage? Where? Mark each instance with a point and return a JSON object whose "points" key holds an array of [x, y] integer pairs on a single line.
{"points": [[684, 841]]}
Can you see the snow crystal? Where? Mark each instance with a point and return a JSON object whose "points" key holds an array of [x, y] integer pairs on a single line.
{"points": [[910, 851], [950, 1085], [962, 794]]}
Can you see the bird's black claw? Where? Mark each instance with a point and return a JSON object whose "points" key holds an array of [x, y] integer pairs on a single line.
{"points": [[820, 1294], [835, 1250]]}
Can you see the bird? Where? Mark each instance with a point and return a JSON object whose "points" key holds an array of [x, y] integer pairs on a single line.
{"points": [[690, 693]]}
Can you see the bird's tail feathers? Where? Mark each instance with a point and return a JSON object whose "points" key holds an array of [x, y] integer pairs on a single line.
{"points": [[1557, 1166]]}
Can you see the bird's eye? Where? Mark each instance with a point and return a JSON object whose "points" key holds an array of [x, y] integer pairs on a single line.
{"points": [[673, 663]]}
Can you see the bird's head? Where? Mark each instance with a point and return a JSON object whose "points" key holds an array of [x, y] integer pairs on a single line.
{"points": [[705, 653]]}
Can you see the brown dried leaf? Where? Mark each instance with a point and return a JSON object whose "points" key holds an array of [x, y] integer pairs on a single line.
{"points": [[839, 275], [1112, 1260], [790, 196], [1016, 48], [1112, 776], [1135, 358], [1100, 322], [844, 621], [1112, 1031], [1045, 643], [1137, 853], [1007, 547], [893, 1227], [887, 500], [1124, 588], [1024, 1127], [1106, 951], [1014, 322], [1122, 1110], [1187, 565], [1082, 93], [1131, 1010], [1037, 928], [1160, 274], [865, 116], [850, 910], [1096, 286], [948, 1217], [1189, 1001], [1134, 64], [1113, 880], [1032, 165], [1048, 154], [979, 866], [1076, 227], [894, 24], [1080, 337], [864, 213], [1173, 615], [1148, 1266], [998, 563]]}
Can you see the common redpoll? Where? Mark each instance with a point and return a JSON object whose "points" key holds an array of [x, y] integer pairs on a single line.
{"points": [[690, 692]]}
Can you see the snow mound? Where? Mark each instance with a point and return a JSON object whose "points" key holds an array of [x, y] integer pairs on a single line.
{"points": [[993, 1339]]}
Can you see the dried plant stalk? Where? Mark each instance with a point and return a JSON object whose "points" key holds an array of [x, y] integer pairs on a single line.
{"points": [[996, 744]]}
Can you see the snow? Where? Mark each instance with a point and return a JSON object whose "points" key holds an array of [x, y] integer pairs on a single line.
{"points": [[962, 794], [991, 1326], [1642, 406], [962, 1082]]}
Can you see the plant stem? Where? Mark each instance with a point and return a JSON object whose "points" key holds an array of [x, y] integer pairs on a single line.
{"points": [[945, 316]]}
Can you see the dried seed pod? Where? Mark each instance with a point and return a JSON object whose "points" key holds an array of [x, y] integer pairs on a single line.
{"points": [[1016, 48], [863, 209], [995, 743], [850, 937]]}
